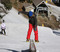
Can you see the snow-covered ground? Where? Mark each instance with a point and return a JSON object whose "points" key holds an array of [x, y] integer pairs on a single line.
{"points": [[15, 39]]}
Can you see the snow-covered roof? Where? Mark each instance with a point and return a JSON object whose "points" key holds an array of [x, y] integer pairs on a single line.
{"points": [[40, 3], [36, 2]]}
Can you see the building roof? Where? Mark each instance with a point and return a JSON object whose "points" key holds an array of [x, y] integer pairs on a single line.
{"points": [[42, 4], [39, 1], [36, 2]]}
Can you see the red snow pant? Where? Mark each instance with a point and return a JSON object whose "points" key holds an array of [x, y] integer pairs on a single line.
{"points": [[30, 30]]}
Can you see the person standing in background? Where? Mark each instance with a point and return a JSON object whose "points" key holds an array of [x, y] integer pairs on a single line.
{"points": [[3, 27]]}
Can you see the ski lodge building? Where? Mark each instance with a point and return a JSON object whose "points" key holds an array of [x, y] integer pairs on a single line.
{"points": [[42, 8]]}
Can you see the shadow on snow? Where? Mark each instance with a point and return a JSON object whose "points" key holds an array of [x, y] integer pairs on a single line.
{"points": [[14, 50], [57, 33], [9, 50]]}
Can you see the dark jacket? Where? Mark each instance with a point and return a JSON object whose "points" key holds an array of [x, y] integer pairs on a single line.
{"points": [[32, 19]]}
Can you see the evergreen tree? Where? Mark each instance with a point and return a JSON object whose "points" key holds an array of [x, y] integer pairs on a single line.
{"points": [[22, 0], [0, 16], [23, 8], [29, 1]]}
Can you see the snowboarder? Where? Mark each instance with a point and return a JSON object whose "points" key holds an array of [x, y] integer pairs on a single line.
{"points": [[3, 27], [32, 24]]}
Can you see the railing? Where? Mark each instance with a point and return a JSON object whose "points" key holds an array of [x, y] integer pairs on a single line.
{"points": [[32, 47], [43, 8]]}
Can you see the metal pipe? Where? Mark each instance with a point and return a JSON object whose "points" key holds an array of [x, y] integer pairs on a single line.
{"points": [[32, 46]]}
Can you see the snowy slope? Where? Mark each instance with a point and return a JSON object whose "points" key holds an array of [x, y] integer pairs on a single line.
{"points": [[17, 27]]}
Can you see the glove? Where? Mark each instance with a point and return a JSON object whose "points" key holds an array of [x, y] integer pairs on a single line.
{"points": [[18, 12]]}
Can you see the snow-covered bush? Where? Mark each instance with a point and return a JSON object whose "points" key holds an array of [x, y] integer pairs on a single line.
{"points": [[0, 16], [7, 4]]}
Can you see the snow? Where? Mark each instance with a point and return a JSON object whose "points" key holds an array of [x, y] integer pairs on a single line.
{"points": [[55, 10], [1, 5], [15, 40]]}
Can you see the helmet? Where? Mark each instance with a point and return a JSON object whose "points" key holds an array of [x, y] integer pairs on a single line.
{"points": [[32, 10], [30, 13]]}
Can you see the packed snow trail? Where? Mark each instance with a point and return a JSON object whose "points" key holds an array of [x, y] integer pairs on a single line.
{"points": [[15, 39]]}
